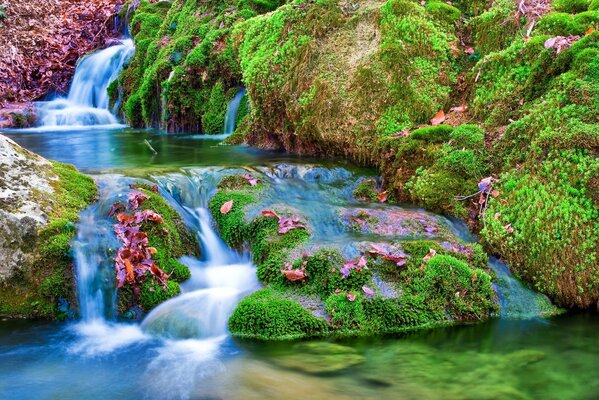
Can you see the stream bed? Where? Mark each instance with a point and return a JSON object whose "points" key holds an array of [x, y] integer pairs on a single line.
{"points": [[97, 358]]}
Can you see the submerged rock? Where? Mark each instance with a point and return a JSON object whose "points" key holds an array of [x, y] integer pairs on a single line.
{"points": [[39, 205]]}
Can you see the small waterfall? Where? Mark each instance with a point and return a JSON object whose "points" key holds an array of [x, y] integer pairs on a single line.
{"points": [[87, 102], [218, 280], [93, 252], [231, 116], [516, 300]]}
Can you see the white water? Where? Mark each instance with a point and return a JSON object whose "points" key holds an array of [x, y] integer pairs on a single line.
{"points": [[218, 281], [87, 102], [231, 116]]}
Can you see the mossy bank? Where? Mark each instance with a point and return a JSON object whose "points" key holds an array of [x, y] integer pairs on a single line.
{"points": [[515, 92]]}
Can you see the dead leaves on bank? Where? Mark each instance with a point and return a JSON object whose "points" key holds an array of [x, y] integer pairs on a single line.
{"points": [[134, 258], [40, 43]]}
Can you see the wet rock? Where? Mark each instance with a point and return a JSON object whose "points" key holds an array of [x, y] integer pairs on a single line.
{"points": [[391, 221], [17, 115]]}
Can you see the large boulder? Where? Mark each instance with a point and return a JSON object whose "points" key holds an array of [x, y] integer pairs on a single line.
{"points": [[39, 205]]}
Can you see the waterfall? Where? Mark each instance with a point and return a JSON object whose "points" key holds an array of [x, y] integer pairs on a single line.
{"points": [[219, 279], [231, 116], [516, 300], [87, 103]]}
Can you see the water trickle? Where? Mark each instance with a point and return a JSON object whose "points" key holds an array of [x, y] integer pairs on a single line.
{"points": [[232, 109], [516, 300], [87, 101]]}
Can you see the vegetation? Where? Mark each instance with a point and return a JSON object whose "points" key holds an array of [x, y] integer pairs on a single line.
{"points": [[318, 292]]}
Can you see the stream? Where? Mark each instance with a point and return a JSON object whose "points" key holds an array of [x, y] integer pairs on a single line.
{"points": [[182, 349]]}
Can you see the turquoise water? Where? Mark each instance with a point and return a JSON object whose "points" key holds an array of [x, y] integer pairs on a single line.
{"points": [[555, 358]]}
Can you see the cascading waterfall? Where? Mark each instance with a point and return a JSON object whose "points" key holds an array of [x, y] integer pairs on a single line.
{"points": [[218, 281], [232, 109], [87, 103]]}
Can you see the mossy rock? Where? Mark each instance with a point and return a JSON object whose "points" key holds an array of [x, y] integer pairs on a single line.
{"points": [[35, 291]]}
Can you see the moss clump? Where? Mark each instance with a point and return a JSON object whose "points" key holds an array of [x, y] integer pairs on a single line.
{"points": [[35, 292], [433, 134], [495, 28], [268, 315], [152, 294], [366, 190], [553, 214], [570, 6]]}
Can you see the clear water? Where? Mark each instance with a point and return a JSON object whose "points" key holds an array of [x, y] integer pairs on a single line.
{"points": [[182, 349]]}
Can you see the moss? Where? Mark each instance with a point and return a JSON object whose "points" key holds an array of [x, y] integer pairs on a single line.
{"points": [[495, 28], [553, 215], [268, 315], [36, 292], [593, 5], [467, 136], [213, 118], [558, 24], [433, 134], [570, 6], [152, 293], [450, 284], [443, 12], [366, 190]]}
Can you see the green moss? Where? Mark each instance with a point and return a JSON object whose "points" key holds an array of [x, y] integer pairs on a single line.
{"points": [[570, 6], [232, 225], [553, 215], [443, 12], [152, 293], [495, 28], [268, 315], [468, 136], [450, 284], [593, 5], [433, 134], [558, 24], [366, 190], [213, 118]]}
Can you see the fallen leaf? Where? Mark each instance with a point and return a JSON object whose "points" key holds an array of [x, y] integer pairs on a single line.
{"points": [[382, 197], [351, 297], [431, 254], [226, 207], [438, 119], [469, 50], [495, 193], [368, 291], [460, 109]]}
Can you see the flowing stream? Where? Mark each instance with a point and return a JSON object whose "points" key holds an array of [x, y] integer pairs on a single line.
{"points": [[182, 350]]}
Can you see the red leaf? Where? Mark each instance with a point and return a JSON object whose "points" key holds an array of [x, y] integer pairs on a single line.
{"points": [[460, 109], [431, 254], [438, 119], [270, 214], [368, 291], [351, 297], [382, 197], [225, 208]]}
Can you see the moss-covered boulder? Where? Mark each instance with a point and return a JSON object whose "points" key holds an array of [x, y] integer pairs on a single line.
{"points": [[402, 283], [40, 202]]}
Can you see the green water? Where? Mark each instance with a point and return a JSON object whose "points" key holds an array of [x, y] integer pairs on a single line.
{"points": [[556, 358]]}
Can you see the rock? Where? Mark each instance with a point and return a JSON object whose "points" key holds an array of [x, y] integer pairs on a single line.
{"points": [[24, 182], [319, 358], [392, 222], [39, 203]]}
